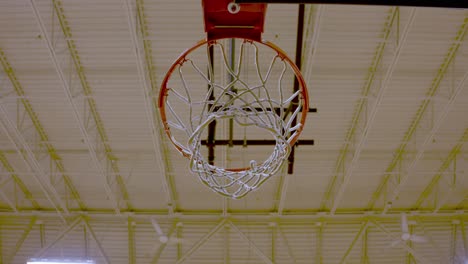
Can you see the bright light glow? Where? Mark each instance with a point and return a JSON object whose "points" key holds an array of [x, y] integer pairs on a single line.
{"points": [[45, 261]]}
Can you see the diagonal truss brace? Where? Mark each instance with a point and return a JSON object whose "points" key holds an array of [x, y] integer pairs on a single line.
{"points": [[150, 113], [264, 257], [373, 112], [428, 140], [25, 152], [58, 238], [360, 233], [406, 247], [202, 241], [92, 150], [314, 40]]}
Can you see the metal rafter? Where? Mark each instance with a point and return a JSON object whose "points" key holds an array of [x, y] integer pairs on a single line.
{"points": [[453, 243], [312, 50], [399, 152], [360, 107], [44, 138], [286, 244], [202, 241], [28, 195], [365, 247], [131, 241], [464, 238], [93, 235], [27, 155], [162, 246], [1, 246], [58, 238], [88, 93], [148, 92], [373, 112], [319, 243], [8, 201], [359, 234], [252, 245], [21, 240], [429, 189]]}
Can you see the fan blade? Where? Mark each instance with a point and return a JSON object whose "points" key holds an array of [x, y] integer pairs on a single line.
{"points": [[422, 3], [396, 242], [157, 227], [418, 239], [404, 224]]}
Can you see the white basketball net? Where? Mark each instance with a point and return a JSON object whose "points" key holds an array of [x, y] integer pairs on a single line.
{"points": [[254, 97]]}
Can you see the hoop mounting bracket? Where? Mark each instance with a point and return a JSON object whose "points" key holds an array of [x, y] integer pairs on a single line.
{"points": [[227, 19]]}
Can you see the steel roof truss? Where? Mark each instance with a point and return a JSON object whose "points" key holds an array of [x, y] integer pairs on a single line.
{"points": [[21, 240], [96, 240], [96, 149], [361, 108], [359, 234], [402, 150], [260, 254], [369, 121], [421, 149], [58, 238], [447, 171], [28, 157], [146, 69], [202, 241]]}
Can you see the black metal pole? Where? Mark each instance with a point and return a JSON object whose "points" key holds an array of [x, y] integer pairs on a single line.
{"points": [[210, 142], [295, 102]]}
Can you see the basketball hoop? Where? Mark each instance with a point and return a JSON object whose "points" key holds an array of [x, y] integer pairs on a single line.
{"points": [[193, 96]]}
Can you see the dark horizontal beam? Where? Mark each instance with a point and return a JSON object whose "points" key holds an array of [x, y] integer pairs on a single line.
{"points": [[255, 142], [276, 109], [417, 3]]}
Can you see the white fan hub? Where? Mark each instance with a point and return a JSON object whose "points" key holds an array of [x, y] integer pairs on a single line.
{"points": [[163, 239], [405, 236]]}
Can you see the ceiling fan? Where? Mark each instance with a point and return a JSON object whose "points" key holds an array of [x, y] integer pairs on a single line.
{"points": [[163, 238], [406, 235]]}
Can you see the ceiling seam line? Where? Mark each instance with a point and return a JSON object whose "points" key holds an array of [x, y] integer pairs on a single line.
{"points": [[51, 151], [463, 29]]}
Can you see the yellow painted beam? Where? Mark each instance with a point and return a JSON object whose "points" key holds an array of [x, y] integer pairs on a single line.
{"points": [[131, 241], [54, 156], [6, 164], [148, 51], [445, 165], [87, 91], [360, 107], [399, 152], [21, 239]]}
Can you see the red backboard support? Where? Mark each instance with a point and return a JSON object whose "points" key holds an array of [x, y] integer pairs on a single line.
{"points": [[220, 22]]}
